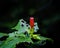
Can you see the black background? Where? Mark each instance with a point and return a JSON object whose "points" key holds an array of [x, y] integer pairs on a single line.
{"points": [[44, 11]]}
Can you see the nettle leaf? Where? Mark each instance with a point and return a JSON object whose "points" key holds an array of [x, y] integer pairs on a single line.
{"points": [[17, 27], [12, 41], [21, 26], [3, 34], [45, 38], [40, 38]]}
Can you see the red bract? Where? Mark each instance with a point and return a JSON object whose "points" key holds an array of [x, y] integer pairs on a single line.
{"points": [[31, 22]]}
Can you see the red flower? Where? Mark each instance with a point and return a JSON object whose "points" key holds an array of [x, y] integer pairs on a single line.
{"points": [[31, 22]]}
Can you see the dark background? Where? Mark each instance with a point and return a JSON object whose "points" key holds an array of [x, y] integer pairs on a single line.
{"points": [[46, 13]]}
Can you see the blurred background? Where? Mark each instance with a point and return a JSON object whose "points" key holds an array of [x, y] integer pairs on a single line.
{"points": [[46, 13]]}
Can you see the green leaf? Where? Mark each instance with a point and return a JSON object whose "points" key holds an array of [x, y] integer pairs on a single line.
{"points": [[44, 38], [17, 27], [1, 43], [3, 34], [12, 41]]}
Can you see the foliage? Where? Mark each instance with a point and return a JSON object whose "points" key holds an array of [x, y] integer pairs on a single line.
{"points": [[16, 37]]}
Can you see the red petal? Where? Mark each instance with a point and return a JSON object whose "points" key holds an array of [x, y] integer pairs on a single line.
{"points": [[32, 22]]}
